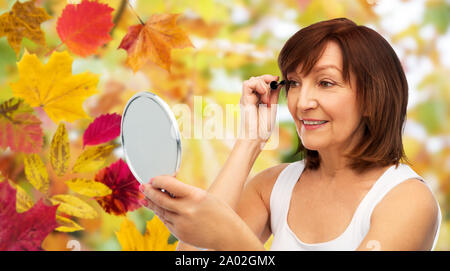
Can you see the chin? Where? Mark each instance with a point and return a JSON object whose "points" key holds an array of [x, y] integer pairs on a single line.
{"points": [[312, 145]]}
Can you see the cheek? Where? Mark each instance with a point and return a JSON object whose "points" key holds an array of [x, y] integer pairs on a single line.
{"points": [[341, 110], [344, 115]]}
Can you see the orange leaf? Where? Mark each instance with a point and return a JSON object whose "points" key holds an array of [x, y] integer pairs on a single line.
{"points": [[23, 21], [154, 40]]}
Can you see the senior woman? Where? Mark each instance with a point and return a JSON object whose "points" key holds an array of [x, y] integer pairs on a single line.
{"points": [[347, 94]]}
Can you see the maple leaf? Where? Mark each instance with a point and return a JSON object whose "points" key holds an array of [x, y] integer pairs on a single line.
{"points": [[125, 194], [153, 41], [27, 230], [84, 27], [53, 87], [104, 128], [156, 236], [23, 20], [20, 129]]}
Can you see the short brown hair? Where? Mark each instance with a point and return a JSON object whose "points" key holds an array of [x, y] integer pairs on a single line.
{"points": [[381, 87]]}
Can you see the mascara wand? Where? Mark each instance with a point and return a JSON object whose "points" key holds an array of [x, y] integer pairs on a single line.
{"points": [[274, 84]]}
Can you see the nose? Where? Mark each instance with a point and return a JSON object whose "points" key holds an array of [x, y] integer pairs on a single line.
{"points": [[306, 99]]}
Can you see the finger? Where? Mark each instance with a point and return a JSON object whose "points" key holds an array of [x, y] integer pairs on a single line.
{"points": [[269, 78], [274, 95], [265, 87], [160, 212], [161, 199], [252, 85], [172, 185]]}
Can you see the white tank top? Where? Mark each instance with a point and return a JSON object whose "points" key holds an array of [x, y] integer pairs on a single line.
{"points": [[285, 239]]}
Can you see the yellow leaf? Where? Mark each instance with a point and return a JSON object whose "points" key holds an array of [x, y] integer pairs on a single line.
{"points": [[68, 225], [155, 238], [157, 235], [72, 205], [129, 237], [59, 150], [36, 172], [23, 20], [23, 200], [53, 87], [93, 158], [89, 188]]}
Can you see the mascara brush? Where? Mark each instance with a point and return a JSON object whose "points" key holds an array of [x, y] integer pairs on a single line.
{"points": [[274, 84]]}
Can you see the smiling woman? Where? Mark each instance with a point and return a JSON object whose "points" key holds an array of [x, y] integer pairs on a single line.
{"points": [[348, 96]]}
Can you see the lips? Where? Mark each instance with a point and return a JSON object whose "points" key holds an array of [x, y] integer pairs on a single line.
{"points": [[313, 121], [313, 126]]}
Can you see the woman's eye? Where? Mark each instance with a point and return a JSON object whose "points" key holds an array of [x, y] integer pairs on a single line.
{"points": [[293, 84], [326, 84]]}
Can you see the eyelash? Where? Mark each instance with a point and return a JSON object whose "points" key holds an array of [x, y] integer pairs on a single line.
{"points": [[292, 82]]}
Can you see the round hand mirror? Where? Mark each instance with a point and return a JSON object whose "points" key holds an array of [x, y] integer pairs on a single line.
{"points": [[150, 137]]}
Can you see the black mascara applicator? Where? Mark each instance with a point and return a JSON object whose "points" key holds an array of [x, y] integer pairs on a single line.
{"points": [[274, 84]]}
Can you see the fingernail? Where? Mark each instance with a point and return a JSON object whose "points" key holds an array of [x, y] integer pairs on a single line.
{"points": [[151, 180], [143, 202], [141, 188]]}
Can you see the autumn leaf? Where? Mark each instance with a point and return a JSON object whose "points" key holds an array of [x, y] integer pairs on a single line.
{"points": [[156, 237], [88, 188], [53, 87], [27, 230], [67, 225], [154, 41], [36, 172], [59, 150], [125, 194], [104, 128], [84, 27], [23, 21], [93, 158], [23, 200], [74, 206], [20, 129]]}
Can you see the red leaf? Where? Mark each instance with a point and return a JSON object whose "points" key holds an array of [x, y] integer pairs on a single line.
{"points": [[104, 128], [27, 230], [84, 27], [125, 194], [19, 128]]}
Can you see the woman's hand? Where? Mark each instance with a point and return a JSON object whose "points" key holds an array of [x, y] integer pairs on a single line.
{"points": [[258, 106], [196, 217]]}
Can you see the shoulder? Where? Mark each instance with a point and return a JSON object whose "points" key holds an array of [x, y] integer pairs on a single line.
{"points": [[406, 217], [268, 176], [411, 195], [264, 180]]}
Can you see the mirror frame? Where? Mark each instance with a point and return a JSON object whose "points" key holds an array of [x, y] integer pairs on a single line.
{"points": [[165, 107]]}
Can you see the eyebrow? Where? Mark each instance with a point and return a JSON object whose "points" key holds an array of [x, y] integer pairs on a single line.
{"points": [[325, 67], [320, 68]]}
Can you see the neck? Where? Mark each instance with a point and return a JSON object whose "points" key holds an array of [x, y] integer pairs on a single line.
{"points": [[333, 166]]}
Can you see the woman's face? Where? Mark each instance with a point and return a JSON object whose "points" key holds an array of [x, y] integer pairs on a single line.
{"points": [[323, 95]]}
